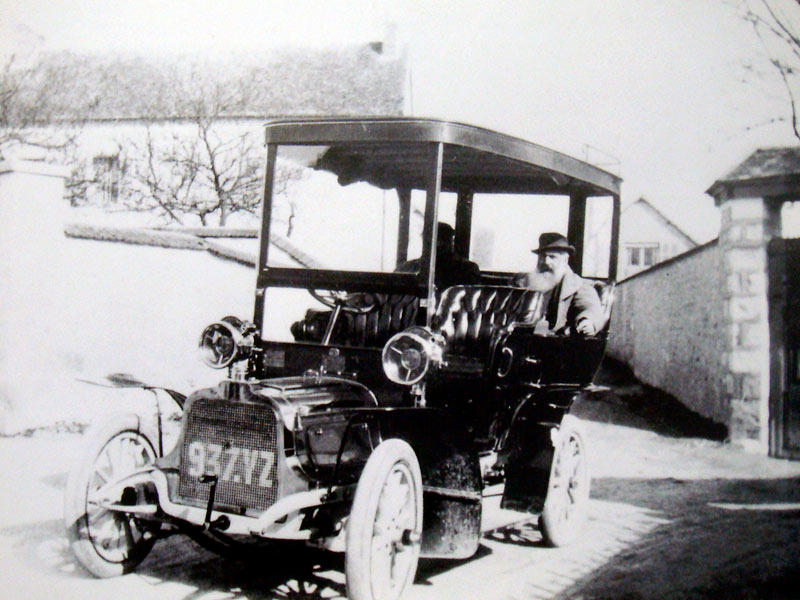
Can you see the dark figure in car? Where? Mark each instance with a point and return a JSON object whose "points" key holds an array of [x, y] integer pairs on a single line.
{"points": [[570, 302], [451, 269]]}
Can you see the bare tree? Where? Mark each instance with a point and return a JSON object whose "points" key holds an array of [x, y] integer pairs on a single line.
{"points": [[27, 110], [211, 166], [200, 168], [205, 170], [230, 167], [777, 25], [162, 176]]}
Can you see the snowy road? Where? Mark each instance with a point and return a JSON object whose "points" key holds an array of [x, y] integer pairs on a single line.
{"points": [[669, 517]]}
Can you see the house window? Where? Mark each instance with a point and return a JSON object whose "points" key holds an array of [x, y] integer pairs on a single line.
{"points": [[642, 255]]}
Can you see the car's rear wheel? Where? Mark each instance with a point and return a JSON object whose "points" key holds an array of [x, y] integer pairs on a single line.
{"points": [[108, 543], [567, 501], [385, 524]]}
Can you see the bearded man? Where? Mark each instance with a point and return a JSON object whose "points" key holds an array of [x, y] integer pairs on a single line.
{"points": [[570, 302]]}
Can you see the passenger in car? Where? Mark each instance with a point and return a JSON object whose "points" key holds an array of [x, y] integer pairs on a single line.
{"points": [[570, 302], [451, 269]]}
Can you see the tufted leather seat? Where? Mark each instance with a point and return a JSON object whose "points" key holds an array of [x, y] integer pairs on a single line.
{"points": [[606, 293], [391, 314], [471, 317]]}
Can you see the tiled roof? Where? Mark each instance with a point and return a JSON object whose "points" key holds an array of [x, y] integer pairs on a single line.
{"points": [[767, 173], [767, 162], [338, 81]]}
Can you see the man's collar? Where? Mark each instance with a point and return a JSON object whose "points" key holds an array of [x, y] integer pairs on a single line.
{"points": [[570, 283]]}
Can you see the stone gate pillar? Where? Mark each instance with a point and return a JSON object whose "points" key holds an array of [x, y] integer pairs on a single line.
{"points": [[750, 198], [747, 226]]}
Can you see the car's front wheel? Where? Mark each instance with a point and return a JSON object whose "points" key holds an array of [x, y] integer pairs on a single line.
{"points": [[385, 524], [566, 504], [107, 543]]}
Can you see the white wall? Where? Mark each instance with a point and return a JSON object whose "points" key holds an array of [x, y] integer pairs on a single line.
{"points": [[32, 271], [100, 138], [75, 309]]}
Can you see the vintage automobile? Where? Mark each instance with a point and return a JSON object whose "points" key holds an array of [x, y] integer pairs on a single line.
{"points": [[367, 403]]}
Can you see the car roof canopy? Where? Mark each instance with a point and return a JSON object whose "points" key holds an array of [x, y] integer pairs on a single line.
{"points": [[384, 152]]}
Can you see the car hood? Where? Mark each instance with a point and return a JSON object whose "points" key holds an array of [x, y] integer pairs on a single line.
{"points": [[313, 394]]}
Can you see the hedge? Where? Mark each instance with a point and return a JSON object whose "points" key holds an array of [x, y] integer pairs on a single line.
{"points": [[131, 235]]}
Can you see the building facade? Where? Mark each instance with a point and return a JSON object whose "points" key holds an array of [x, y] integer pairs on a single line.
{"points": [[190, 130], [647, 237]]}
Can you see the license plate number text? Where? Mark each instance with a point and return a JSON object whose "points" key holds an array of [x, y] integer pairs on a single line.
{"points": [[238, 465]]}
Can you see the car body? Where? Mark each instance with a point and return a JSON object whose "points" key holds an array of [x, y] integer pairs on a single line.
{"points": [[366, 416]]}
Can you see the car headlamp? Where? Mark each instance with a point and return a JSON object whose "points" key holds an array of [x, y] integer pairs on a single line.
{"points": [[408, 355], [226, 341]]}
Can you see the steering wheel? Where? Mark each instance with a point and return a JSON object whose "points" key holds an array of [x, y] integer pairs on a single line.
{"points": [[358, 303]]}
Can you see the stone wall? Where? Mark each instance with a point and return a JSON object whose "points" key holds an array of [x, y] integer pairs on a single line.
{"points": [[699, 326], [669, 325]]}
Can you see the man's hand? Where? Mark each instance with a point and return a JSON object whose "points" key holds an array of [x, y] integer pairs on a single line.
{"points": [[585, 327]]}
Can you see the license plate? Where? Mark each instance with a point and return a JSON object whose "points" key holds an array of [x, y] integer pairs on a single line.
{"points": [[238, 443], [238, 465]]}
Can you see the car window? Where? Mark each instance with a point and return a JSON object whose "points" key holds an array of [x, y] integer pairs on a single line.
{"points": [[505, 227], [323, 221]]}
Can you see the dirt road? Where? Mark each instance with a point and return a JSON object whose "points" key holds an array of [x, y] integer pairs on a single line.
{"points": [[670, 517]]}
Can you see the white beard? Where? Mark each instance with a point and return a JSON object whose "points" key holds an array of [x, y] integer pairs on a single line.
{"points": [[542, 281]]}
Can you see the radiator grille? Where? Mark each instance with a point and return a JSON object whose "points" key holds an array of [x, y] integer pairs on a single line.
{"points": [[237, 442]]}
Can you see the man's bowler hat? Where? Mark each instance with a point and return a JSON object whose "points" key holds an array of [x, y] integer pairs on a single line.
{"points": [[554, 242]]}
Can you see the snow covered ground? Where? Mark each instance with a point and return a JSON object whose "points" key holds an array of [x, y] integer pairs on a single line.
{"points": [[102, 307]]}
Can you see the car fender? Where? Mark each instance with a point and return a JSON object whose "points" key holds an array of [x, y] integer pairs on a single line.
{"points": [[134, 396], [529, 451], [451, 479]]}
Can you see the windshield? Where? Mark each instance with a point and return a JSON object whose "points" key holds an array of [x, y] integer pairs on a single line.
{"points": [[321, 220], [360, 208]]}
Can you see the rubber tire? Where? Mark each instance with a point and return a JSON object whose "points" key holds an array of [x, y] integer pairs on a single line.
{"points": [[555, 531], [358, 555], [75, 496]]}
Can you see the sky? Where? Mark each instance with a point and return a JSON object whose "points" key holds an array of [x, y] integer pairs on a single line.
{"points": [[655, 88]]}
